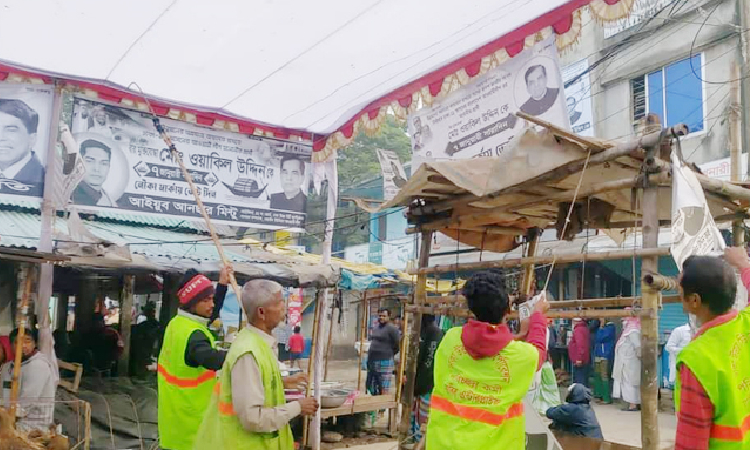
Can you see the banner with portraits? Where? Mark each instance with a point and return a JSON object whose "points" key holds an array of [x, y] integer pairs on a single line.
{"points": [[25, 114], [477, 120], [578, 97], [243, 180], [394, 176]]}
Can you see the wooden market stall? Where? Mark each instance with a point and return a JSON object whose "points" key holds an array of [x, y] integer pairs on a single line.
{"points": [[549, 178]]}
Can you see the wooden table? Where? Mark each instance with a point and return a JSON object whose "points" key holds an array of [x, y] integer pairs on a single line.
{"points": [[361, 404]]}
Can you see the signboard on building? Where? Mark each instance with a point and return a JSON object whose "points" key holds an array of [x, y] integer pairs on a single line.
{"points": [[393, 173], [243, 180], [294, 306], [394, 254], [478, 119], [25, 114], [578, 97], [721, 168]]}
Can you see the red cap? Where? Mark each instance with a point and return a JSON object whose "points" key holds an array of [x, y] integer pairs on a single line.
{"points": [[198, 287]]}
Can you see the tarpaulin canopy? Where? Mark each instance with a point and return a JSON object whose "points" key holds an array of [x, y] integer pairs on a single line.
{"points": [[317, 70]]}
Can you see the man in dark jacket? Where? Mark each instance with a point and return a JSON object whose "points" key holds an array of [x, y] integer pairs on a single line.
{"points": [[576, 417], [604, 354], [429, 339]]}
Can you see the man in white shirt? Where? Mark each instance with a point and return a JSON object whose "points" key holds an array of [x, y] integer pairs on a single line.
{"points": [[38, 383], [18, 132], [678, 340], [252, 413]]}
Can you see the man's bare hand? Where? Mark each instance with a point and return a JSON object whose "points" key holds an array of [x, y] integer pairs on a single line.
{"points": [[293, 382], [542, 305], [224, 274], [737, 257], [309, 405]]}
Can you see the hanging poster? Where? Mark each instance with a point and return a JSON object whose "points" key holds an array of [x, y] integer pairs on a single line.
{"points": [[294, 306], [25, 114], [478, 120], [578, 97], [243, 180], [394, 176]]}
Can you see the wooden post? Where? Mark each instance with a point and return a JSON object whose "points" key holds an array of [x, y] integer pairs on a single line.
{"points": [[649, 322], [420, 295], [528, 270], [63, 302], [362, 335], [22, 324], [315, 331], [401, 367], [126, 322]]}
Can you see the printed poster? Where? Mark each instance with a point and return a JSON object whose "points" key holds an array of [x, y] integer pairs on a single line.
{"points": [[478, 119], [394, 176], [25, 114], [578, 97], [243, 180]]}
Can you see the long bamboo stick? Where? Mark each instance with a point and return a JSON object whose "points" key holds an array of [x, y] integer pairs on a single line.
{"points": [[19, 341], [329, 344], [194, 189], [362, 333], [315, 331], [611, 302], [544, 259], [556, 314]]}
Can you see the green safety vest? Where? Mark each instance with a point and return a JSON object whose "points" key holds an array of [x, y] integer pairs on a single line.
{"points": [[221, 429], [184, 391], [720, 360], [478, 404]]}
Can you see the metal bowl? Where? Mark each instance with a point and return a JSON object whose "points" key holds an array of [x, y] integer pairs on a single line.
{"points": [[333, 398]]}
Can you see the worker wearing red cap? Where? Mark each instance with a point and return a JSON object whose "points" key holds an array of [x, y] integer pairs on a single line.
{"points": [[188, 361]]}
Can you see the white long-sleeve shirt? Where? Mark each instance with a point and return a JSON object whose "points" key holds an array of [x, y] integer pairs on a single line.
{"points": [[679, 338], [248, 396]]}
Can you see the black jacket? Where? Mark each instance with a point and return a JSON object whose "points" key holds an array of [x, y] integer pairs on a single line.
{"points": [[428, 342], [576, 417]]}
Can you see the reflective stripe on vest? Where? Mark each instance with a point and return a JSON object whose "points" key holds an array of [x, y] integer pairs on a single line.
{"points": [[473, 413], [225, 408], [726, 433], [208, 375]]}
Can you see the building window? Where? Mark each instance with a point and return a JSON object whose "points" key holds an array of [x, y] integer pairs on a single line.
{"points": [[674, 93]]}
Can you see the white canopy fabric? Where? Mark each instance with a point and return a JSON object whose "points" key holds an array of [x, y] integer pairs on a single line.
{"points": [[316, 66]]}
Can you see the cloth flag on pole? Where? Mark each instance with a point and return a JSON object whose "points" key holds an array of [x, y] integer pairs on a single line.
{"points": [[694, 231]]}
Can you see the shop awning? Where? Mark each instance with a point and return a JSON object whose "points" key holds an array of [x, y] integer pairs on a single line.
{"points": [[322, 70]]}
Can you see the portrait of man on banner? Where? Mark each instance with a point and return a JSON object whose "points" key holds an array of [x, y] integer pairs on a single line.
{"points": [[292, 197], [541, 96], [98, 188], [18, 136]]}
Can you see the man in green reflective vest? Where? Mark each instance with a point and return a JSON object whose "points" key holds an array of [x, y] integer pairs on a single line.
{"points": [[252, 412], [482, 374], [712, 395], [188, 360]]}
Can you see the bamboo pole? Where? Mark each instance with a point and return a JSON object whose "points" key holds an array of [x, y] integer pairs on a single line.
{"points": [[362, 335], [660, 282], [552, 314], [649, 321], [22, 323], [194, 189], [402, 360], [528, 270], [315, 331], [329, 344], [611, 302], [420, 292], [545, 259]]}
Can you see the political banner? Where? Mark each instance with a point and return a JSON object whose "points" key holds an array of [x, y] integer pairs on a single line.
{"points": [[243, 180], [478, 119], [578, 97], [294, 306], [25, 114], [394, 176]]}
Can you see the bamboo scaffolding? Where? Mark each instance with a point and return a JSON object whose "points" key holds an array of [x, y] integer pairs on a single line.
{"points": [[545, 259]]}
